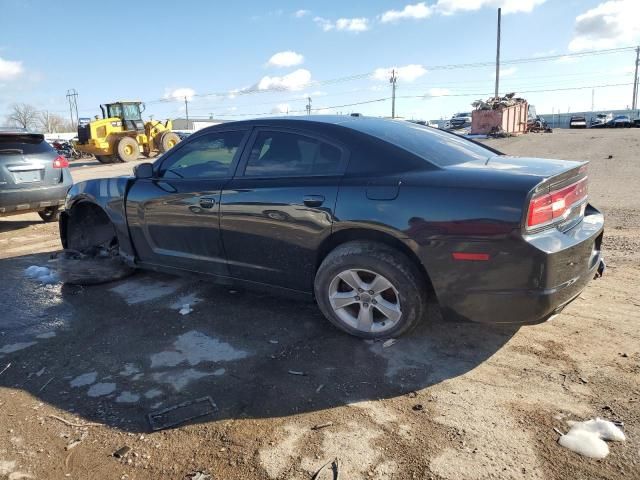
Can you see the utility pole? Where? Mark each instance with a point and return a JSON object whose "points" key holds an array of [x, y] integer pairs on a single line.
{"points": [[498, 55], [72, 97], [393, 81], [634, 102], [186, 110], [308, 105]]}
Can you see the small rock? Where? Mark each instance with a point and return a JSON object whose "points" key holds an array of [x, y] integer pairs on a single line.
{"points": [[418, 407], [122, 452]]}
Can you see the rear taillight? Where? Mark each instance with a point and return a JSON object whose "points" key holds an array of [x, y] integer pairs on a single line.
{"points": [[556, 205], [60, 162]]}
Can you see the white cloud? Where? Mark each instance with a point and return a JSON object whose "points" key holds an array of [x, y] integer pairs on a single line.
{"points": [[285, 59], [417, 11], [301, 13], [293, 81], [506, 72], [356, 25], [607, 25], [449, 7], [179, 93], [438, 92], [10, 69], [408, 73], [281, 108]]}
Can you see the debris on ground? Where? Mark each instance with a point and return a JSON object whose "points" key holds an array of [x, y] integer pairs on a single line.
{"points": [[42, 274], [321, 426], [296, 372], [328, 471], [389, 343], [418, 407], [72, 424], [185, 310], [91, 266], [588, 438], [5, 368], [122, 452], [198, 476], [181, 413]]}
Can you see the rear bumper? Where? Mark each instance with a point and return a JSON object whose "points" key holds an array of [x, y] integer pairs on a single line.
{"points": [[25, 200], [559, 266]]}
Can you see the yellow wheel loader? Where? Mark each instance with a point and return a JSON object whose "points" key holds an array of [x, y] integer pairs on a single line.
{"points": [[121, 135]]}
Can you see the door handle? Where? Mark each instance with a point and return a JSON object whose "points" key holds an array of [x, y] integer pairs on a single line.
{"points": [[313, 200], [207, 202]]}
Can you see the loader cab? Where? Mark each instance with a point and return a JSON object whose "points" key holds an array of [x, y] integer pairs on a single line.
{"points": [[129, 112]]}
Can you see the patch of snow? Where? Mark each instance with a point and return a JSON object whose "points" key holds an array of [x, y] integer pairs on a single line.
{"points": [[588, 438], [185, 310], [42, 274], [127, 397], [137, 377], [101, 389], [139, 291], [46, 335], [14, 347], [190, 299], [195, 347], [84, 379], [219, 372], [180, 378], [128, 370], [153, 393]]}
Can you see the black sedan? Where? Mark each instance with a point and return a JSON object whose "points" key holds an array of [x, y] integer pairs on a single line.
{"points": [[370, 217]]}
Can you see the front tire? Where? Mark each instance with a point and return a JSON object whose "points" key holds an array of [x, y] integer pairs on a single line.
{"points": [[167, 141], [50, 214], [107, 159], [128, 149], [370, 290]]}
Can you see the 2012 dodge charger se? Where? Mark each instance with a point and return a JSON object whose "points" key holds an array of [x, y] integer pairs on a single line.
{"points": [[368, 216]]}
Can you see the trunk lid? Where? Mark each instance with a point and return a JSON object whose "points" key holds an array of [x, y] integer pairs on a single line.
{"points": [[26, 161]]}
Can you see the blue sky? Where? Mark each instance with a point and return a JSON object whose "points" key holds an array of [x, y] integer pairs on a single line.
{"points": [[164, 51]]}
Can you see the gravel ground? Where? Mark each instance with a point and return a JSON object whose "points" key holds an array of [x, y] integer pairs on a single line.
{"points": [[450, 401]]}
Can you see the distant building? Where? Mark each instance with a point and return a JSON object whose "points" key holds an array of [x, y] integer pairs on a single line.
{"points": [[195, 123]]}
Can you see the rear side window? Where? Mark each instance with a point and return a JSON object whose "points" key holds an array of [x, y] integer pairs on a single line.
{"points": [[291, 154], [23, 144], [436, 146]]}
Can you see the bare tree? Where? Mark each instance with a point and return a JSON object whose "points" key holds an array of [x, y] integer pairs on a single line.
{"points": [[23, 115], [51, 123]]}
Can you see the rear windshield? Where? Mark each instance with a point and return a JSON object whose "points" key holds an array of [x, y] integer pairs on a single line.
{"points": [[26, 144], [436, 146]]}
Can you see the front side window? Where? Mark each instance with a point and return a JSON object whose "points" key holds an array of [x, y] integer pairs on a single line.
{"points": [[115, 111], [291, 154], [208, 156]]}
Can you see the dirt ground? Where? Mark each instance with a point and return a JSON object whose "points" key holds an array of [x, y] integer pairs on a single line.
{"points": [[81, 369]]}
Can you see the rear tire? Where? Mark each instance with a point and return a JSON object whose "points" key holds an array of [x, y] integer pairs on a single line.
{"points": [[50, 214], [128, 149], [370, 290], [167, 141]]}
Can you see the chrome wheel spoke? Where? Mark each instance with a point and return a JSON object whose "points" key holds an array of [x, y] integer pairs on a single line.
{"points": [[365, 319], [388, 309], [343, 299], [351, 278], [379, 285]]}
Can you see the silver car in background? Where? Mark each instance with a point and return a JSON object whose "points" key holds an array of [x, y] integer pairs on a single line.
{"points": [[33, 177]]}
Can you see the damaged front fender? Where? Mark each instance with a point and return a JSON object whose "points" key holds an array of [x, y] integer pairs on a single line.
{"points": [[107, 194]]}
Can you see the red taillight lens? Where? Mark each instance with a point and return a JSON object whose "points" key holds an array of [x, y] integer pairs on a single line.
{"points": [[60, 162], [553, 205]]}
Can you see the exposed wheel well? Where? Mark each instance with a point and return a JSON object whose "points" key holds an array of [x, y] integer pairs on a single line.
{"points": [[85, 226], [362, 234]]}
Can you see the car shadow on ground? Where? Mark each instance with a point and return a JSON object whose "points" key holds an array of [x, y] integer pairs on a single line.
{"points": [[114, 353], [9, 225]]}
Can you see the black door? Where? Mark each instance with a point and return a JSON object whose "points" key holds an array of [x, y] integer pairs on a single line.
{"points": [[279, 207], [174, 218]]}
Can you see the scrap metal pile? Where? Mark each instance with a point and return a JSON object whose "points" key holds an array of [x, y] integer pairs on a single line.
{"points": [[495, 103]]}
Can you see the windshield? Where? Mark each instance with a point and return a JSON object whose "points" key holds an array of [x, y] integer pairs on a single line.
{"points": [[114, 110]]}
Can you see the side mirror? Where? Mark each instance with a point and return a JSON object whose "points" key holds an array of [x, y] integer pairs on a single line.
{"points": [[144, 170]]}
